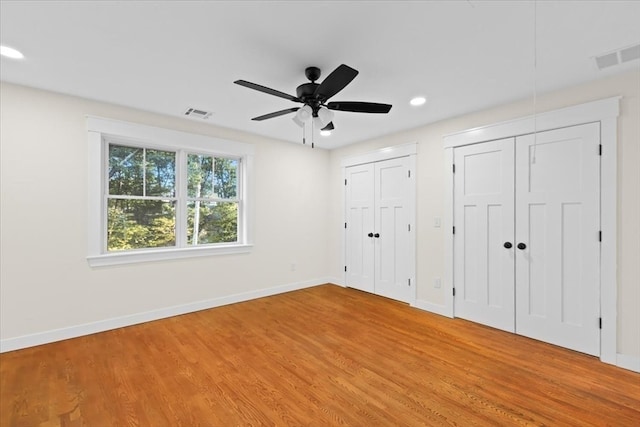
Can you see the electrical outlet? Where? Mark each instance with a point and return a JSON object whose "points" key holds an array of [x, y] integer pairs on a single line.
{"points": [[436, 222], [436, 283]]}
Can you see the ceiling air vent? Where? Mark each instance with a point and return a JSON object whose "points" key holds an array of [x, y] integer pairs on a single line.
{"points": [[617, 57], [606, 61], [198, 114], [630, 53]]}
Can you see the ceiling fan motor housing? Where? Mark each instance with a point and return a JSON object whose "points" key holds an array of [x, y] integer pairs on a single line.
{"points": [[306, 90]]}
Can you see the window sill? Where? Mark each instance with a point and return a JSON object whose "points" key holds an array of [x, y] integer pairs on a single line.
{"points": [[118, 258]]}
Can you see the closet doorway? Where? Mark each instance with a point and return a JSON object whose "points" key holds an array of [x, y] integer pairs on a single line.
{"points": [[541, 216], [526, 243], [379, 224]]}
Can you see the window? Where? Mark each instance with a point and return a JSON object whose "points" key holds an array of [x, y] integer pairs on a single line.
{"points": [[161, 194], [141, 198], [212, 199], [144, 198]]}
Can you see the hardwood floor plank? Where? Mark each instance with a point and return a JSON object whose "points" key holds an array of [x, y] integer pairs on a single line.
{"points": [[324, 356]]}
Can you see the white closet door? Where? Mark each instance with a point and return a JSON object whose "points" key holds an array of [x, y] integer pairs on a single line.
{"points": [[557, 206], [484, 223], [360, 213], [391, 229]]}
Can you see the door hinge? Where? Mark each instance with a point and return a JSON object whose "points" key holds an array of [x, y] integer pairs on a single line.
{"points": [[454, 292], [454, 230], [345, 181], [409, 172], [454, 168], [600, 322], [409, 227], [345, 225], [345, 268], [600, 236], [409, 282], [600, 150]]}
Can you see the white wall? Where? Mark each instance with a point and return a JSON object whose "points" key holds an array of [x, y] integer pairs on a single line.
{"points": [[430, 188], [46, 283]]}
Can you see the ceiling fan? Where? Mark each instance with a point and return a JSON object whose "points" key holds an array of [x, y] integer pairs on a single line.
{"points": [[314, 97]]}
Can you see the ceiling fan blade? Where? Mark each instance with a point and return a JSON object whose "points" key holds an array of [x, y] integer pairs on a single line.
{"points": [[265, 89], [328, 127], [275, 114], [335, 82], [360, 107]]}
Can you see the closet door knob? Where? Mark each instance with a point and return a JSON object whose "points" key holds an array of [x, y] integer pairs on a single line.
{"points": [[508, 245], [522, 246], [370, 234], [376, 235]]}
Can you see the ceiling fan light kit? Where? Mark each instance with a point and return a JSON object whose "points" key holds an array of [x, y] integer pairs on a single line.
{"points": [[314, 96], [303, 115], [297, 121], [325, 115]]}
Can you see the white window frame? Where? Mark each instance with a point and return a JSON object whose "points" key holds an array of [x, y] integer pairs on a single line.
{"points": [[102, 132]]}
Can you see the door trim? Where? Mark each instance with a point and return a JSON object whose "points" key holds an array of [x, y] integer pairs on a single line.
{"points": [[409, 150], [606, 112]]}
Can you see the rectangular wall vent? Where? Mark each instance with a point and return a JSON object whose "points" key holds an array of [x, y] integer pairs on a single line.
{"points": [[196, 113], [617, 57]]}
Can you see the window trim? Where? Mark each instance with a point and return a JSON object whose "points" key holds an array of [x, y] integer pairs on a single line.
{"points": [[102, 131]]}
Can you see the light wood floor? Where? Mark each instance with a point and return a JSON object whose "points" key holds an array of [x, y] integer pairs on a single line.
{"points": [[324, 356]]}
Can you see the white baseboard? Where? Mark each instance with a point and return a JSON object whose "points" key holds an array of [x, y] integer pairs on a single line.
{"points": [[631, 363], [337, 281], [46, 337], [442, 310]]}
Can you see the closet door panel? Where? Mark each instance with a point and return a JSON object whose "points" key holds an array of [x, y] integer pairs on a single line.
{"points": [[391, 224], [484, 222], [359, 202], [557, 218]]}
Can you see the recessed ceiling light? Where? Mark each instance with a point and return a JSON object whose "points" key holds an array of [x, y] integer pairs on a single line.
{"points": [[325, 132], [418, 100], [10, 52]]}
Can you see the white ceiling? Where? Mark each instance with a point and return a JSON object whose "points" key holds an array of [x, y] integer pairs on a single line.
{"points": [[165, 56]]}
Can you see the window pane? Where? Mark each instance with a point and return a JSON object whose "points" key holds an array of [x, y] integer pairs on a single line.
{"points": [[125, 170], [161, 173], [200, 176], [212, 222], [136, 224], [226, 178]]}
